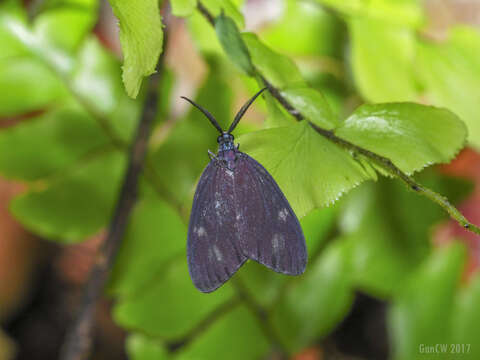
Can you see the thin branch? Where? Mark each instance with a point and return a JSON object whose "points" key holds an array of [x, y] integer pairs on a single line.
{"points": [[79, 338], [151, 174], [260, 314], [101, 119], [206, 14], [204, 324], [34, 8], [381, 161]]}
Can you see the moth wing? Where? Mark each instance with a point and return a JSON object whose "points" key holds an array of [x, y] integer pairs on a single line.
{"points": [[269, 230], [213, 249]]}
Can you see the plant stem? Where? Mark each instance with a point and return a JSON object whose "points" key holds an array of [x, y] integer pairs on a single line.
{"points": [[380, 160], [219, 311], [206, 14], [260, 314], [78, 341]]}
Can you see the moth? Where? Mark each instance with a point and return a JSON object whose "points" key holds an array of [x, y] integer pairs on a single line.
{"points": [[239, 213]]}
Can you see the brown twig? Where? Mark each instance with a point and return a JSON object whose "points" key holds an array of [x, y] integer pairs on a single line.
{"points": [[78, 342]]}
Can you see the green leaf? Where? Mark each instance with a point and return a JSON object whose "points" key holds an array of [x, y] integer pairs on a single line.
{"points": [[232, 43], [9, 44], [96, 75], [75, 18], [316, 226], [141, 347], [169, 305], [17, 29], [235, 336], [318, 32], [61, 136], [319, 300], [141, 37], [312, 105], [451, 75], [466, 318], [154, 236], [422, 309], [215, 7], [27, 85], [276, 68], [310, 170], [75, 205], [413, 136], [183, 8], [277, 115], [263, 284], [204, 35], [383, 252], [383, 60], [165, 92], [390, 229], [403, 12]]}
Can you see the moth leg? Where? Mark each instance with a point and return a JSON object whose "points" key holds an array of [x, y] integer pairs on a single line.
{"points": [[238, 146], [212, 156], [216, 159]]}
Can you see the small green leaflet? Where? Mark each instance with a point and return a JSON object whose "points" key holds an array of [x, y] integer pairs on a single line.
{"points": [[141, 36]]}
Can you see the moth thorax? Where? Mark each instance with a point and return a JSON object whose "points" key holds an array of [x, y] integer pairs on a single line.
{"points": [[225, 142]]}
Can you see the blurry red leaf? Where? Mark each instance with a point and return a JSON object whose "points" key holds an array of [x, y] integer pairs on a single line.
{"points": [[18, 253], [76, 260], [311, 353], [466, 165]]}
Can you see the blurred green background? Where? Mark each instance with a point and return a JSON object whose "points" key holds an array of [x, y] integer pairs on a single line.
{"points": [[389, 275]]}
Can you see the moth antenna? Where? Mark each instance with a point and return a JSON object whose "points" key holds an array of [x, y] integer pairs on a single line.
{"points": [[243, 110], [206, 113]]}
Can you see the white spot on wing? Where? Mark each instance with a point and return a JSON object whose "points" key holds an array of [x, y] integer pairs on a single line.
{"points": [[238, 217], [230, 173], [210, 255], [200, 231], [278, 243], [217, 204], [282, 214], [217, 252]]}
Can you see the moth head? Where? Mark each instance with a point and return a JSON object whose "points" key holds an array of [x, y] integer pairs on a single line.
{"points": [[225, 142], [224, 138]]}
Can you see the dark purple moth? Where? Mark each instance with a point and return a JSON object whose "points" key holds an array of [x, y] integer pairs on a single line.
{"points": [[239, 213]]}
